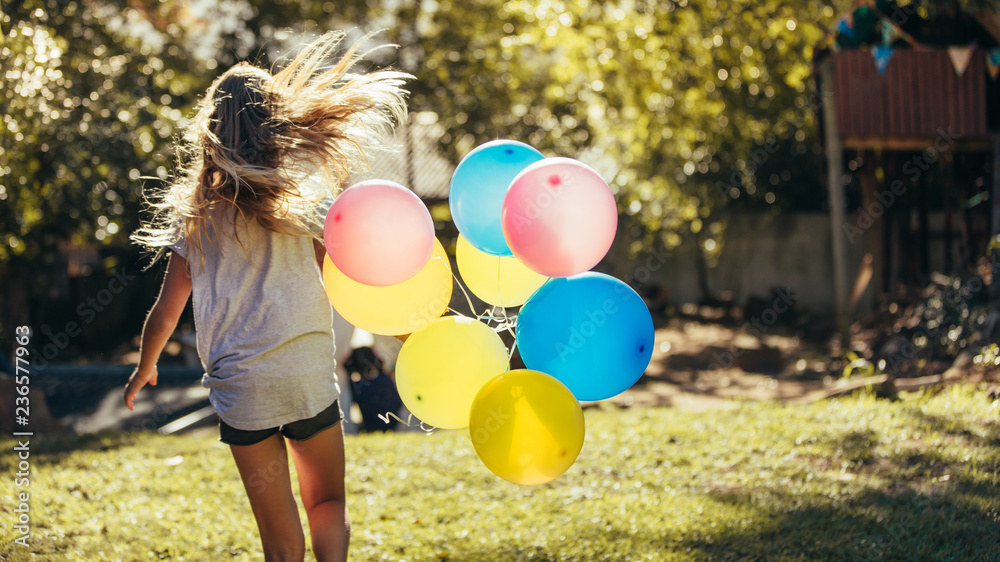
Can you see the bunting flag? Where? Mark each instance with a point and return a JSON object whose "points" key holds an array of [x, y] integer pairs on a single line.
{"points": [[882, 56], [961, 56], [993, 63], [845, 26], [890, 33]]}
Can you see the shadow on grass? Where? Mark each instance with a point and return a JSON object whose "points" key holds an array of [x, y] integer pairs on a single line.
{"points": [[935, 505], [51, 449], [930, 506], [871, 525], [857, 446], [958, 429], [706, 359], [898, 523]]}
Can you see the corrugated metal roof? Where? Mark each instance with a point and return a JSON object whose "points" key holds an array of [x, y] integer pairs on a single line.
{"points": [[919, 96], [431, 171]]}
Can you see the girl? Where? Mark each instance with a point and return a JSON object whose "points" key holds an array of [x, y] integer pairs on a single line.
{"points": [[244, 222]]}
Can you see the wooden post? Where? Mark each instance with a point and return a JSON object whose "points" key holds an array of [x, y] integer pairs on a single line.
{"points": [[876, 233], [947, 166], [835, 184], [966, 261], [994, 244], [923, 234], [890, 230]]}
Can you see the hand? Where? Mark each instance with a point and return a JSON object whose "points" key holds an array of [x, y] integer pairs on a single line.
{"points": [[138, 380]]}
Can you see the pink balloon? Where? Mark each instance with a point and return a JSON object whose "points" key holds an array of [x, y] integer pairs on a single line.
{"points": [[379, 233], [559, 217]]}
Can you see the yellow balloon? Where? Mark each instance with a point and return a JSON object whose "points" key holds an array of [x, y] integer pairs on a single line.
{"points": [[443, 365], [526, 427], [498, 280], [397, 309]]}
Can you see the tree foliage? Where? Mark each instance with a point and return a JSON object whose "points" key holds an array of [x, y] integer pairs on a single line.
{"points": [[690, 106], [95, 94], [92, 97]]}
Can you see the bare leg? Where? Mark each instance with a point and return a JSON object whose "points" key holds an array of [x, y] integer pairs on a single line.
{"points": [[264, 469], [319, 462]]}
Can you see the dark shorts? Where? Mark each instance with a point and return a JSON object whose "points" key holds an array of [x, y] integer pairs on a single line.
{"points": [[297, 430]]}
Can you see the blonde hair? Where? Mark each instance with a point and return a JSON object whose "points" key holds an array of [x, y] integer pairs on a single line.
{"points": [[255, 138]]}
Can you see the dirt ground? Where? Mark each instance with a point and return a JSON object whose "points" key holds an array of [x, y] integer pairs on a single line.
{"points": [[699, 366]]}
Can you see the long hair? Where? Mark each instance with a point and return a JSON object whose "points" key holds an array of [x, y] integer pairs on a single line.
{"points": [[258, 144]]}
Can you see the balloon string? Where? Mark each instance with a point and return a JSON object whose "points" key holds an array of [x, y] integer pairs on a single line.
{"points": [[503, 309], [486, 316], [504, 322], [457, 313], [508, 323], [468, 299], [511, 326], [427, 429], [500, 287], [513, 346]]}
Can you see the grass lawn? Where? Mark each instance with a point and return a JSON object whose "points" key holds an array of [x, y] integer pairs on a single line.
{"points": [[849, 479]]}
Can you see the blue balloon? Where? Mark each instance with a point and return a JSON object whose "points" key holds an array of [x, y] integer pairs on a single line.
{"points": [[590, 331], [478, 187]]}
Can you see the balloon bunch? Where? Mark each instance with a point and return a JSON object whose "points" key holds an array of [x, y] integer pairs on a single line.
{"points": [[530, 228]]}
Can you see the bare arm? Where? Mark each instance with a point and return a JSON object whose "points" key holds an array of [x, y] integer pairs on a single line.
{"points": [[160, 324]]}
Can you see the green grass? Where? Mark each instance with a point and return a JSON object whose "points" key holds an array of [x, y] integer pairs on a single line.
{"points": [[849, 479]]}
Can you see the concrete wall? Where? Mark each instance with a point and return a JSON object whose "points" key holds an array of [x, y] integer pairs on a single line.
{"points": [[760, 253]]}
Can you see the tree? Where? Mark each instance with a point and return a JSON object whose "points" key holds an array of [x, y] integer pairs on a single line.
{"points": [[92, 109], [691, 107], [695, 107], [94, 95]]}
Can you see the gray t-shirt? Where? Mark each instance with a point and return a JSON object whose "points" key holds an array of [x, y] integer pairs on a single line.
{"points": [[264, 326]]}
